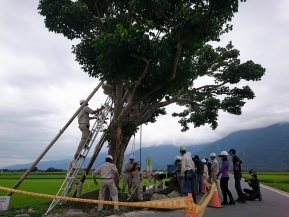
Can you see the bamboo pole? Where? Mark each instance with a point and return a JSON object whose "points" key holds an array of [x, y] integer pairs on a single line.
{"points": [[54, 140]]}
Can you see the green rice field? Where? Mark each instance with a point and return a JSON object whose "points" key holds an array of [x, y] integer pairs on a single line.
{"points": [[49, 183]]}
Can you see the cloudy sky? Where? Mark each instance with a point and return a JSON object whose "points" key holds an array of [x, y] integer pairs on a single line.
{"points": [[41, 84]]}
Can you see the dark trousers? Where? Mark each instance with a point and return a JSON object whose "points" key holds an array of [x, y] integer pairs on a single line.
{"points": [[190, 183], [199, 182], [225, 190], [237, 177], [193, 191], [253, 194]]}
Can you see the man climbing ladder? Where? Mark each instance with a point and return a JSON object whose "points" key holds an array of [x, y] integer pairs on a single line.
{"points": [[83, 121]]}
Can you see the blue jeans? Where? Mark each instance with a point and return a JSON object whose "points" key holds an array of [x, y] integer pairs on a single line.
{"points": [[199, 182]]}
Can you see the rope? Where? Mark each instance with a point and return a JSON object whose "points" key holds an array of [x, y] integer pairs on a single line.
{"points": [[140, 144]]}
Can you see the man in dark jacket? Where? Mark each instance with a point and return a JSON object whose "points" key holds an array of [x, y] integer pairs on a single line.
{"points": [[237, 168], [200, 171], [255, 193]]}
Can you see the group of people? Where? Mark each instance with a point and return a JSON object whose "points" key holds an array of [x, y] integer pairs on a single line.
{"points": [[191, 171]]}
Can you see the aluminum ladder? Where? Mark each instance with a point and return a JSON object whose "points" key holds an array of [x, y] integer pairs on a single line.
{"points": [[66, 186]]}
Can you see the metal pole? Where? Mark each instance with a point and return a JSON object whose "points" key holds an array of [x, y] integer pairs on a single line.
{"points": [[54, 140], [140, 145]]}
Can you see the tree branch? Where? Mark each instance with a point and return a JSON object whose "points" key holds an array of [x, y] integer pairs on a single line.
{"points": [[98, 14], [171, 76], [163, 15], [86, 31], [212, 5], [141, 77], [206, 86]]}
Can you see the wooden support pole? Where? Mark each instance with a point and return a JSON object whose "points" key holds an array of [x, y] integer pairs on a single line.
{"points": [[54, 140]]}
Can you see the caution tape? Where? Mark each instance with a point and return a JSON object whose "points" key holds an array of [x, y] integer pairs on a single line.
{"points": [[170, 203]]}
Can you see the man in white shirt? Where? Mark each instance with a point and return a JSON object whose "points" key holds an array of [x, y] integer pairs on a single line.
{"points": [[188, 172]]}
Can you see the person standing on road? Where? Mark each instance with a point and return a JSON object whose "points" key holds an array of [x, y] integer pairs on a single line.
{"points": [[136, 183], [224, 170], [109, 175], [200, 170], [127, 174], [188, 172], [83, 122], [237, 168], [214, 169], [255, 193]]}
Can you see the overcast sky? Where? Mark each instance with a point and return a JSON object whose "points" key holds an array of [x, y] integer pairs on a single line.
{"points": [[41, 84]]}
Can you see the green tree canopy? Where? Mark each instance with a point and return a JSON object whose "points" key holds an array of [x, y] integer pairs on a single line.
{"points": [[154, 51]]}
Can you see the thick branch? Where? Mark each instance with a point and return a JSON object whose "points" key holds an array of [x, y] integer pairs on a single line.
{"points": [[141, 77], [171, 76]]}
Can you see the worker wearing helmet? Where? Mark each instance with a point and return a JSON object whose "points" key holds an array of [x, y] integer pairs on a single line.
{"points": [[187, 173], [127, 174], [83, 122], [214, 169], [206, 171], [224, 170], [255, 193], [109, 175]]}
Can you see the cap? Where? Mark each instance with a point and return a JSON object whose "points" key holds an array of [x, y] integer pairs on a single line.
{"points": [[233, 151], [81, 101], [212, 155], [131, 157], [204, 161]]}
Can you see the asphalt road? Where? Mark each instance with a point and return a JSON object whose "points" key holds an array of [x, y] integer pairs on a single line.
{"points": [[275, 204]]}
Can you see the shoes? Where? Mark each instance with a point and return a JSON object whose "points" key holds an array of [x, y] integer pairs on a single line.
{"points": [[224, 203], [260, 198], [232, 202]]}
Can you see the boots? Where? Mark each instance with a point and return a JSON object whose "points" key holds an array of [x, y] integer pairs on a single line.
{"points": [[224, 203]]}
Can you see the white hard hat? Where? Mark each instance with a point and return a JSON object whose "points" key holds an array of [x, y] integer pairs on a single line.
{"points": [[178, 157], [109, 156], [131, 157], [223, 153], [81, 101], [212, 155], [204, 161], [189, 153]]}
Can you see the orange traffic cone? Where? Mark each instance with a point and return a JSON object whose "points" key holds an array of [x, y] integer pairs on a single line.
{"points": [[190, 207], [215, 201]]}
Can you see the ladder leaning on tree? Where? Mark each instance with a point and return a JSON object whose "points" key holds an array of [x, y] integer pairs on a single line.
{"points": [[76, 165]]}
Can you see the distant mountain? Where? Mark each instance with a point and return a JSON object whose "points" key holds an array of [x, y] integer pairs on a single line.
{"points": [[262, 149]]}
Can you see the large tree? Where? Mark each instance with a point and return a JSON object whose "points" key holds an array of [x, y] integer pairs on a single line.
{"points": [[153, 52]]}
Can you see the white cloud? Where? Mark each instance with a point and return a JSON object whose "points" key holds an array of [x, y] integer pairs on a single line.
{"points": [[41, 84]]}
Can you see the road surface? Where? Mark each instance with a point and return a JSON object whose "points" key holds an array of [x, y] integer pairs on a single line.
{"points": [[275, 204]]}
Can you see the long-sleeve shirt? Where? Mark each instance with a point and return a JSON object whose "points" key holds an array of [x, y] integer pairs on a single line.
{"points": [[224, 169], [106, 171], [128, 167], [215, 166], [254, 183], [187, 164]]}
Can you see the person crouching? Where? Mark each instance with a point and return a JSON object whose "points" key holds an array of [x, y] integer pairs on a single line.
{"points": [[255, 193]]}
